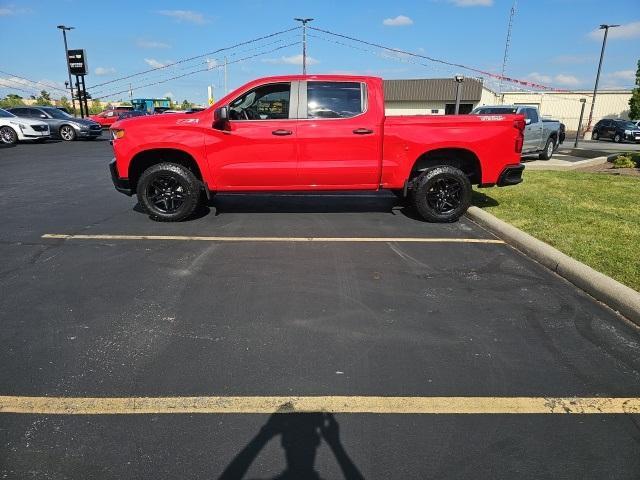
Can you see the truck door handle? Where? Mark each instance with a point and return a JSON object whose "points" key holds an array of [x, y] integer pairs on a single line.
{"points": [[280, 132], [362, 131]]}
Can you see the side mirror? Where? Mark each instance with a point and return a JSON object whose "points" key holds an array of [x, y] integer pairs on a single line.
{"points": [[527, 121], [42, 115], [221, 118]]}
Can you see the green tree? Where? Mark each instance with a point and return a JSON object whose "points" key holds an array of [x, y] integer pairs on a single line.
{"points": [[186, 105], [634, 101], [96, 107], [64, 102], [11, 100], [44, 98]]}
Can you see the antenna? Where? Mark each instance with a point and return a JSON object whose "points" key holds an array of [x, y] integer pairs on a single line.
{"points": [[506, 45]]}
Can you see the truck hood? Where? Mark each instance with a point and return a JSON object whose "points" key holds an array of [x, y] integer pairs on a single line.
{"points": [[165, 119]]}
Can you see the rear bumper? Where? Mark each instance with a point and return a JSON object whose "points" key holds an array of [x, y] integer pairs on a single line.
{"points": [[121, 184], [511, 175]]}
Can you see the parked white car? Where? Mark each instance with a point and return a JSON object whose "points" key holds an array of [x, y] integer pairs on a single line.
{"points": [[14, 129]]}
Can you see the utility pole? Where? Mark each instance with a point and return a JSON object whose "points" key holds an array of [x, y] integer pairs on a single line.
{"points": [[66, 60], [304, 22], [225, 76], [606, 28], [459, 79], [582, 101]]}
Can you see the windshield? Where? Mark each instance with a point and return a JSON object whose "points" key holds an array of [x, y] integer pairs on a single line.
{"points": [[5, 114], [494, 110], [55, 113], [629, 125]]}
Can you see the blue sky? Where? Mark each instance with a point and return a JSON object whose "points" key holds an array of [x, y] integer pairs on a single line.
{"points": [[553, 41]]}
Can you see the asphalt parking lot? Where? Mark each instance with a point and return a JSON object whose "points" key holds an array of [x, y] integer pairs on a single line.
{"points": [[261, 311]]}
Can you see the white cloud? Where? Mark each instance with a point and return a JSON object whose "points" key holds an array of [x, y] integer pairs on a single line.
{"points": [[628, 30], [566, 80], [539, 78], [100, 71], [399, 21], [185, 16], [472, 3], [559, 79], [152, 62], [626, 75], [7, 10], [151, 44], [292, 60]]}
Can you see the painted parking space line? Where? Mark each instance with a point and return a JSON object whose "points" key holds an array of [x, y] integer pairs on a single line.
{"points": [[329, 404], [63, 236]]}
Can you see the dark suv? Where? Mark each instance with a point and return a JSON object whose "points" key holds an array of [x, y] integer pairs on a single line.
{"points": [[616, 130]]}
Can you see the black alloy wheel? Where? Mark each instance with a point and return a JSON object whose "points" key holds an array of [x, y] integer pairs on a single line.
{"points": [[442, 194], [169, 192]]}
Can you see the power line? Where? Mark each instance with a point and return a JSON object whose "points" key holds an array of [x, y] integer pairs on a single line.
{"points": [[201, 70], [437, 60], [196, 57], [208, 61], [33, 81], [11, 87]]}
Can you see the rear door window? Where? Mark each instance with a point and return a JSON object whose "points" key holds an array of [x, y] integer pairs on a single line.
{"points": [[334, 99]]}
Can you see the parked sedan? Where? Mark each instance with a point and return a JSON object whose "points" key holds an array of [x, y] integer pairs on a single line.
{"points": [[617, 130], [13, 129], [61, 124]]}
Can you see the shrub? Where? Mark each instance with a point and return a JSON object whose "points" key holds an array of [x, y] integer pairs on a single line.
{"points": [[623, 161]]}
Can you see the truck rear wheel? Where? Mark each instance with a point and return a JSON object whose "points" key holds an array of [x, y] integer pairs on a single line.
{"points": [[549, 148], [168, 192], [441, 194]]}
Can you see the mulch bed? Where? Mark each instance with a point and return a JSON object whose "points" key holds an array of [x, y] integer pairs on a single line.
{"points": [[608, 168]]}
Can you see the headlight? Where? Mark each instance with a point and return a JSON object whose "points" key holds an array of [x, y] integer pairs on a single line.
{"points": [[627, 132], [117, 133]]}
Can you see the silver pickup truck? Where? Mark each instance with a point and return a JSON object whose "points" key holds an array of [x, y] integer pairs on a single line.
{"points": [[541, 136]]}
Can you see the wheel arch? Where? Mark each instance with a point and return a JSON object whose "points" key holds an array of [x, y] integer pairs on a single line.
{"points": [[147, 158], [460, 158]]}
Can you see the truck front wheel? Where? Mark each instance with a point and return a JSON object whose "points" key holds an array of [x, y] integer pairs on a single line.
{"points": [[441, 194], [168, 192]]}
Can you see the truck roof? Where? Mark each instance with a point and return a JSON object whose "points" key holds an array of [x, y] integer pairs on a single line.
{"points": [[288, 78]]}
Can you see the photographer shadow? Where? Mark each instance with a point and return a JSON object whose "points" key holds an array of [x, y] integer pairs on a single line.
{"points": [[301, 436]]}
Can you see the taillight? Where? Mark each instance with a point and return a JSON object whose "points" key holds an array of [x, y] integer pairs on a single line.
{"points": [[519, 124]]}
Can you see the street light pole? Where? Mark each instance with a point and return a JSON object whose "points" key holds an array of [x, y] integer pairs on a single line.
{"points": [[582, 101], [304, 22], [459, 79], [606, 28], [66, 59]]}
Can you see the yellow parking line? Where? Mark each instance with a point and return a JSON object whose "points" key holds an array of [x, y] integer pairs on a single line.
{"points": [[331, 404], [271, 239]]}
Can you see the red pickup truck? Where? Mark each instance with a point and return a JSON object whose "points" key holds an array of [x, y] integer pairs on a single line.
{"points": [[311, 133]]}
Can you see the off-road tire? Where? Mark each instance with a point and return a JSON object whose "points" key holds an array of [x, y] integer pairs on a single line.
{"points": [[549, 148], [168, 192], [8, 136], [441, 194]]}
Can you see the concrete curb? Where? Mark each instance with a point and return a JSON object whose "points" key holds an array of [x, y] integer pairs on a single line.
{"points": [[550, 165], [619, 297]]}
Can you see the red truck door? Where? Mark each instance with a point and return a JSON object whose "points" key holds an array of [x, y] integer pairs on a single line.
{"points": [[258, 151], [339, 136]]}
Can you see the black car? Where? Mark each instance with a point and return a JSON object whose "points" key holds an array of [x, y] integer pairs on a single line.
{"points": [[131, 114], [616, 130]]}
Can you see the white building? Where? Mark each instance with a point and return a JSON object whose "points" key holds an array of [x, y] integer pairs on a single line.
{"points": [[436, 96]]}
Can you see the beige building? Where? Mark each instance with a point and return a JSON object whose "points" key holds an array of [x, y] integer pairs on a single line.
{"points": [[437, 97]]}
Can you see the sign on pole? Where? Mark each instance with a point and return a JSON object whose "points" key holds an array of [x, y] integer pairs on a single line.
{"points": [[77, 62]]}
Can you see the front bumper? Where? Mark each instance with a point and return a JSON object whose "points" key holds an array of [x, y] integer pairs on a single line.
{"points": [[121, 184], [632, 137], [511, 175], [89, 133]]}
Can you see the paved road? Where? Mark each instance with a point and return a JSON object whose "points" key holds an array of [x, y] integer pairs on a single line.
{"points": [[604, 145], [168, 318]]}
